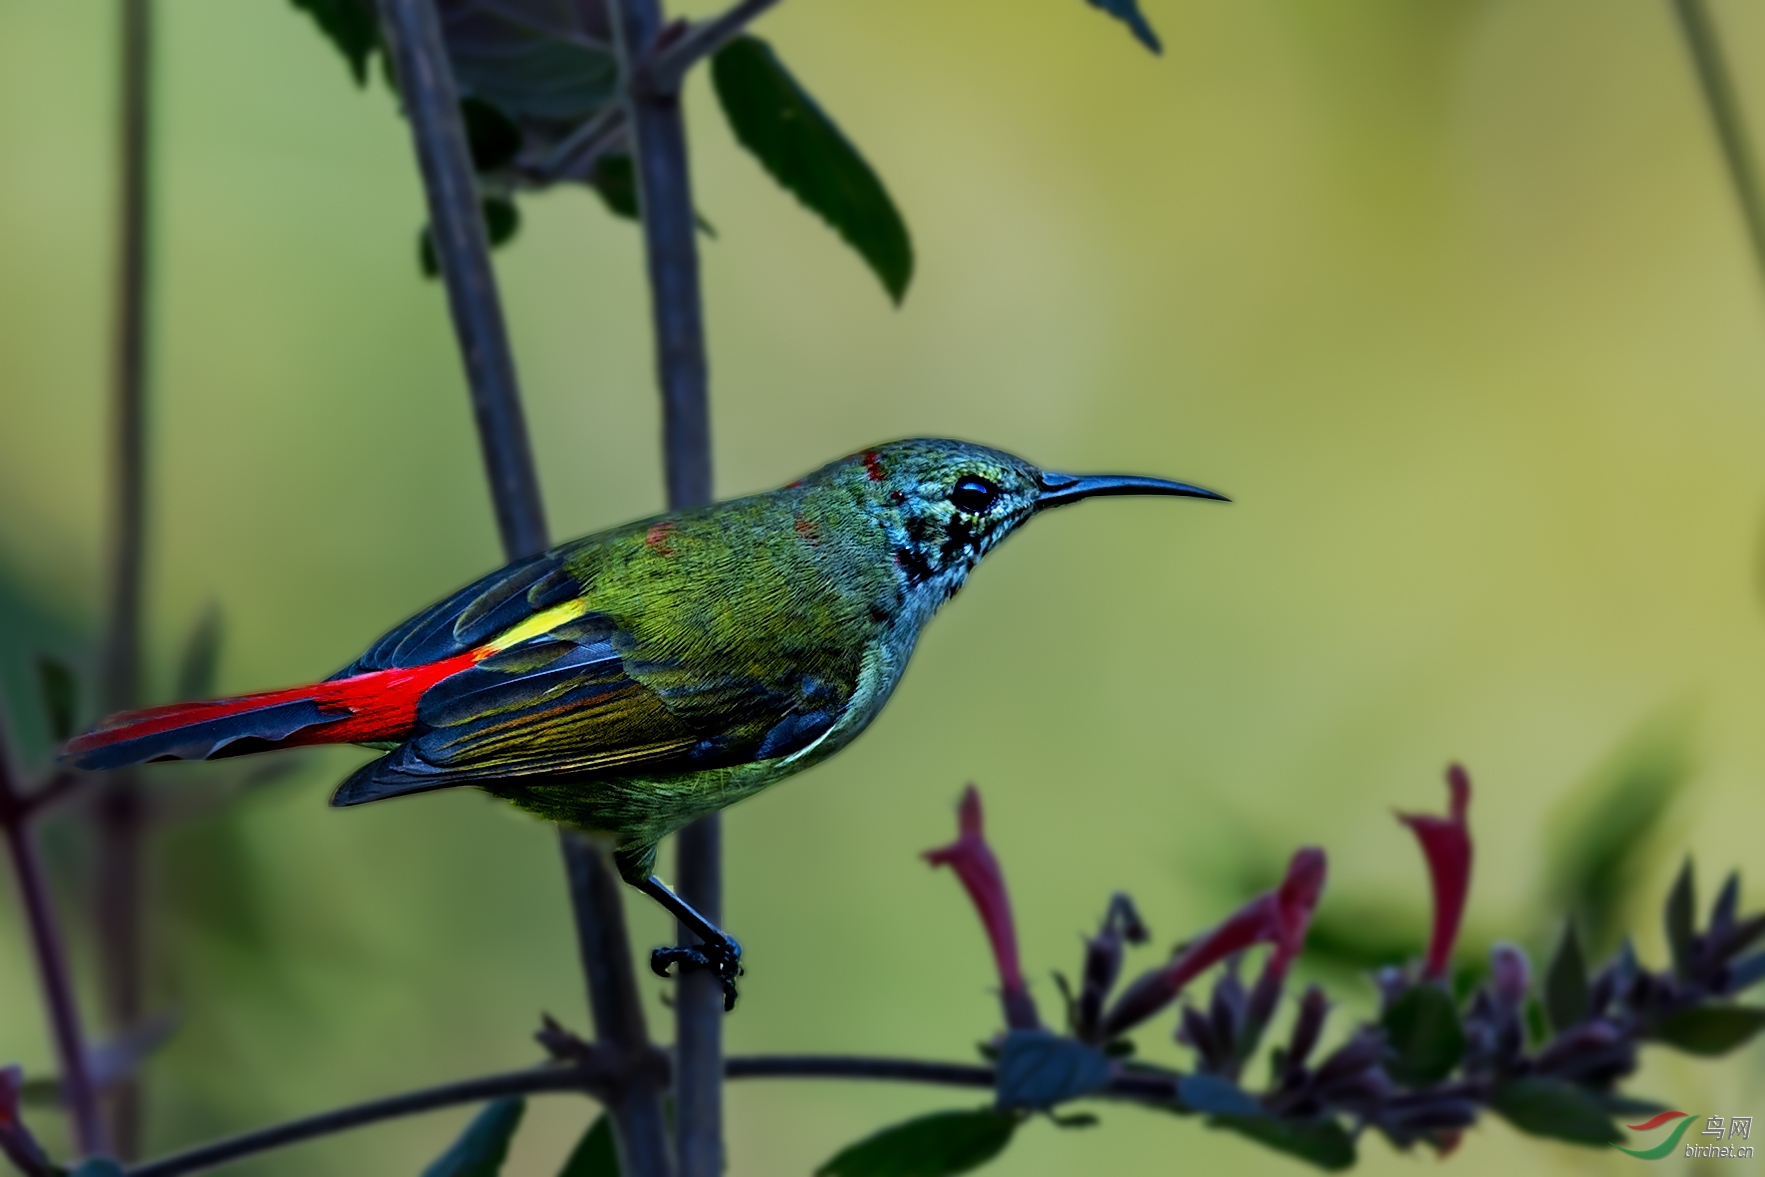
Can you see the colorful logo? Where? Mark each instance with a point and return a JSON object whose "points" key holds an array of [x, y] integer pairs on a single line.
{"points": [[1666, 1146]]}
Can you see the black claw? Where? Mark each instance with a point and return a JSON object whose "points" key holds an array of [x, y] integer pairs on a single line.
{"points": [[722, 957]]}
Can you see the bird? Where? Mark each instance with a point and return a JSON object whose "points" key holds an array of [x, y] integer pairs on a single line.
{"points": [[631, 681]]}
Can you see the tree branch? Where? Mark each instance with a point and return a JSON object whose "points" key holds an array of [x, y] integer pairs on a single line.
{"points": [[664, 181], [665, 72], [53, 977], [1717, 84], [120, 812], [456, 227], [596, 1076]]}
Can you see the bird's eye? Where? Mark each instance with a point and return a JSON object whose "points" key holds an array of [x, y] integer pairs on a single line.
{"points": [[974, 495]]}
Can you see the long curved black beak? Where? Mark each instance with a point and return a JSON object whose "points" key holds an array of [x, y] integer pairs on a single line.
{"points": [[1060, 489]]}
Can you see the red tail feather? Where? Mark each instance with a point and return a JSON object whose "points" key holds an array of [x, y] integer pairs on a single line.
{"points": [[380, 705]]}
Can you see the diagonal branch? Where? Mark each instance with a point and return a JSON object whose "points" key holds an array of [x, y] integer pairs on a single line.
{"points": [[1717, 83], [664, 73], [53, 977]]}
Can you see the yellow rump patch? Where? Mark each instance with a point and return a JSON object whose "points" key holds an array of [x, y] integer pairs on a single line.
{"points": [[539, 623]]}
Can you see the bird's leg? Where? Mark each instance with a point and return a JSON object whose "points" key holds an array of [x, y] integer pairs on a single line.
{"points": [[717, 949]]}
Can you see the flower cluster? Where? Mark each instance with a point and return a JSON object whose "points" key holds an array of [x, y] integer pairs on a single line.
{"points": [[1546, 1053]]}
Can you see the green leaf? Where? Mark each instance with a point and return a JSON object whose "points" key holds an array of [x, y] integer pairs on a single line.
{"points": [[1601, 835], [351, 26], [1565, 983], [616, 182], [1681, 919], [202, 656], [1423, 1031], [502, 220], [794, 139], [596, 1154], [1325, 1143], [60, 692], [1038, 1069], [1711, 1029], [481, 1148], [532, 59], [930, 1146], [1128, 12], [1551, 1107]]}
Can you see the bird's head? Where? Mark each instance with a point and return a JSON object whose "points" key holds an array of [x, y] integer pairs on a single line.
{"points": [[945, 504]]}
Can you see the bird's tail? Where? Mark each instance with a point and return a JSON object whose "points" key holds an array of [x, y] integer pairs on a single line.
{"points": [[364, 708]]}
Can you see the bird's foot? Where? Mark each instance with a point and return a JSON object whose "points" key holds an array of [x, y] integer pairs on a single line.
{"points": [[722, 956]]}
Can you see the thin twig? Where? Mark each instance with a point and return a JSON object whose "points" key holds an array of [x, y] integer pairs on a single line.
{"points": [[52, 971], [664, 183], [668, 68], [1717, 84], [120, 811], [595, 1077], [456, 227]]}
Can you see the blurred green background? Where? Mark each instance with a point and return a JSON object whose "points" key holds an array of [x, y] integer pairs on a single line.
{"points": [[1451, 295]]}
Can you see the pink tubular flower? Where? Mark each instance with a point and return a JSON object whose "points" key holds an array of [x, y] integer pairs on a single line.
{"points": [[1279, 917], [1446, 844], [974, 863]]}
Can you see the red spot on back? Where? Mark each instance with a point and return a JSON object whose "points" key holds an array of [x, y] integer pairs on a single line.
{"points": [[807, 530], [657, 539], [873, 465]]}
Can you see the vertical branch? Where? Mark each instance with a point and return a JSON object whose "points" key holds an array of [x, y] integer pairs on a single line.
{"points": [[1701, 37], [120, 807], [419, 54], [664, 182], [52, 972], [456, 227]]}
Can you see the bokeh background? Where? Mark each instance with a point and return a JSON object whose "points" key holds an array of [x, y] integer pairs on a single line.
{"points": [[1453, 298]]}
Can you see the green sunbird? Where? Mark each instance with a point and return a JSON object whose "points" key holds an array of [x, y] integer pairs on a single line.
{"points": [[633, 680]]}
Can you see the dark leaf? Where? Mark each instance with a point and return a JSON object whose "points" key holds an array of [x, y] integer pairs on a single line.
{"points": [[794, 139], [1039, 1068], [1747, 973], [930, 1146], [98, 1167], [1325, 1143], [1537, 1026], [1423, 1032], [494, 138], [541, 59], [1711, 1029], [617, 184], [1681, 919], [1216, 1095], [501, 221], [596, 1154], [202, 656], [1128, 12], [1601, 835], [1550, 1107], [60, 692], [351, 27], [481, 1148], [1075, 1120], [1565, 984]]}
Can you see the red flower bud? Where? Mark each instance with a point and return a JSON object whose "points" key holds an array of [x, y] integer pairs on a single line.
{"points": [[1446, 844], [1279, 917], [975, 864]]}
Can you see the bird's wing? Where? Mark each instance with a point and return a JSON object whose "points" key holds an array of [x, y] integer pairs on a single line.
{"points": [[479, 613], [587, 696]]}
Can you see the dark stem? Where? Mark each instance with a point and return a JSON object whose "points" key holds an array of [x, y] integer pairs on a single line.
{"points": [[664, 181], [456, 228], [120, 807], [596, 1076], [1701, 37], [53, 977], [640, 1124], [668, 69]]}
